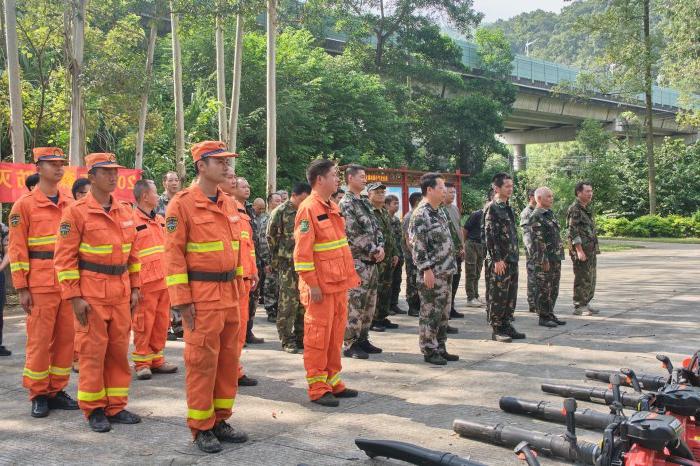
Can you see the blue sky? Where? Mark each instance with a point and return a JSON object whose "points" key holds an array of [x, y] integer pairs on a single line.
{"points": [[504, 9]]}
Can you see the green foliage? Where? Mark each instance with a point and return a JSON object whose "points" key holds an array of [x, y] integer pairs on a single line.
{"points": [[651, 226]]}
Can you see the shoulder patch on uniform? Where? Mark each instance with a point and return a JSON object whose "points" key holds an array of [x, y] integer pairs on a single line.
{"points": [[322, 217], [15, 220], [304, 226], [171, 224], [64, 229]]}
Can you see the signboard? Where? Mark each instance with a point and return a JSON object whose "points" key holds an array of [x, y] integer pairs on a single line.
{"points": [[12, 176]]}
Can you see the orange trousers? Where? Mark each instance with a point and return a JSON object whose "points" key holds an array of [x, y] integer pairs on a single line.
{"points": [[150, 326], [243, 304], [49, 345], [211, 359], [103, 347], [324, 329]]}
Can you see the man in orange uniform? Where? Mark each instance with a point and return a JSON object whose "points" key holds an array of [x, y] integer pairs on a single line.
{"points": [[202, 252], [98, 270], [152, 318], [326, 270], [33, 225]]}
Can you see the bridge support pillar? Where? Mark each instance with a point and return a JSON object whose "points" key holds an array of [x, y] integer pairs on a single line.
{"points": [[519, 157]]}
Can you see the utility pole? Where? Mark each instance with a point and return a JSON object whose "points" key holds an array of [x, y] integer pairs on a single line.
{"points": [[75, 146], [271, 98], [177, 94], [16, 123]]}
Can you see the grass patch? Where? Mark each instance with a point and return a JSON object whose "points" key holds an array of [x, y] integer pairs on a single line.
{"points": [[613, 246], [654, 240]]}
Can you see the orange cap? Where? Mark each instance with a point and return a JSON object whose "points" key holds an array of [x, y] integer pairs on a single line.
{"points": [[48, 153], [101, 160], [205, 149]]}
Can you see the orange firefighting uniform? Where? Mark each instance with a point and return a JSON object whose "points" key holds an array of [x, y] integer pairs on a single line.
{"points": [[323, 259], [246, 271], [94, 252], [202, 252], [152, 317], [34, 223]]}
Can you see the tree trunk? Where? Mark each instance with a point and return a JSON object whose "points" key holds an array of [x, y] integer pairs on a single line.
{"points": [[221, 78], [16, 123], [143, 111], [177, 93], [236, 87], [76, 144], [648, 83], [271, 97]]}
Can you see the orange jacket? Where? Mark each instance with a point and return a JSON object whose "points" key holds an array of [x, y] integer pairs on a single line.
{"points": [[89, 236], [201, 237], [321, 254], [150, 244], [248, 267], [34, 223]]}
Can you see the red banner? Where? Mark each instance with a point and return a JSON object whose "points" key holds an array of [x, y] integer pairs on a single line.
{"points": [[12, 176]]}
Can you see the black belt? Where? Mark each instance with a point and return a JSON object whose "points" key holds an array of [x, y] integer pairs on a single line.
{"points": [[211, 276], [101, 268], [41, 254]]}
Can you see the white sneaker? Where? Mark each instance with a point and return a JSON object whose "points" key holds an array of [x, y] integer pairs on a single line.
{"points": [[582, 311], [473, 303]]}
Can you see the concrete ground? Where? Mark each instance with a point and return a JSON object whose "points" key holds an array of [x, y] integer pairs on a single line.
{"points": [[649, 300]]}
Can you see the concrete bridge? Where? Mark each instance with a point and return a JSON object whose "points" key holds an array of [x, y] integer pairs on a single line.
{"points": [[541, 115]]}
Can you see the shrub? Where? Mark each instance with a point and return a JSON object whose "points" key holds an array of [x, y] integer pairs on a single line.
{"points": [[651, 226]]}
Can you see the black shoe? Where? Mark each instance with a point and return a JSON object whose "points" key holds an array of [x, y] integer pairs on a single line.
{"points": [[558, 321], [225, 433], [253, 340], [368, 347], [63, 401], [452, 330], [246, 381], [347, 393], [377, 327], [300, 344], [456, 315], [397, 310], [327, 400], [272, 318], [124, 417], [413, 312], [389, 324], [291, 349], [547, 323], [171, 336], [4, 351], [98, 421], [207, 442], [355, 352], [500, 336], [40, 406], [514, 334], [434, 358], [534, 311], [449, 357]]}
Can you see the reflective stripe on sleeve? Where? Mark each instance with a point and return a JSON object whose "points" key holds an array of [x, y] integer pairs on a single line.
{"points": [[304, 266], [17, 266], [41, 240], [68, 275], [176, 279], [330, 245]]}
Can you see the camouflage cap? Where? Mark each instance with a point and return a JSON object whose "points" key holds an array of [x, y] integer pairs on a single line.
{"points": [[375, 185]]}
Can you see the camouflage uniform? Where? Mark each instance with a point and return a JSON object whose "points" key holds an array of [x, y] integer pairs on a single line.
{"points": [[280, 239], [546, 246], [396, 277], [433, 248], [581, 225], [269, 288], [163, 200], [452, 214], [501, 240], [412, 297], [385, 268], [530, 264], [365, 237]]}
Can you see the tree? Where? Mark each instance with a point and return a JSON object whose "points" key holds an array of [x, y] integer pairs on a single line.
{"points": [[143, 112], [177, 94], [75, 11], [16, 121]]}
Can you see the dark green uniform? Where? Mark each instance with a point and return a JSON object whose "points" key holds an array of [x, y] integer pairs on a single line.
{"points": [[397, 275], [530, 266], [582, 230], [412, 297], [546, 247], [385, 267]]}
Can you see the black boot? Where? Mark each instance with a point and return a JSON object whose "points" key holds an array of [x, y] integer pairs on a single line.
{"points": [[434, 358], [388, 324], [207, 442], [413, 311], [448, 357], [355, 351], [63, 401], [456, 315], [246, 381], [452, 330], [368, 347], [327, 400], [500, 335], [558, 321], [124, 417], [40, 406], [347, 393], [514, 334], [98, 421], [225, 433], [377, 326], [545, 322]]}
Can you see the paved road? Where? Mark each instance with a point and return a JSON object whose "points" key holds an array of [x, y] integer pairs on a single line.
{"points": [[649, 300]]}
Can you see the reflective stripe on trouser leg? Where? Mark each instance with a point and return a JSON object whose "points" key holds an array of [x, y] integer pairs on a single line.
{"points": [[49, 345]]}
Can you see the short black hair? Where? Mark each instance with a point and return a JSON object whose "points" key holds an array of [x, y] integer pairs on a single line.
{"points": [[530, 193], [319, 167], [31, 181], [269, 196], [390, 198], [301, 188], [579, 186], [165, 176], [78, 184], [353, 169], [500, 178], [414, 199], [429, 180], [449, 184]]}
